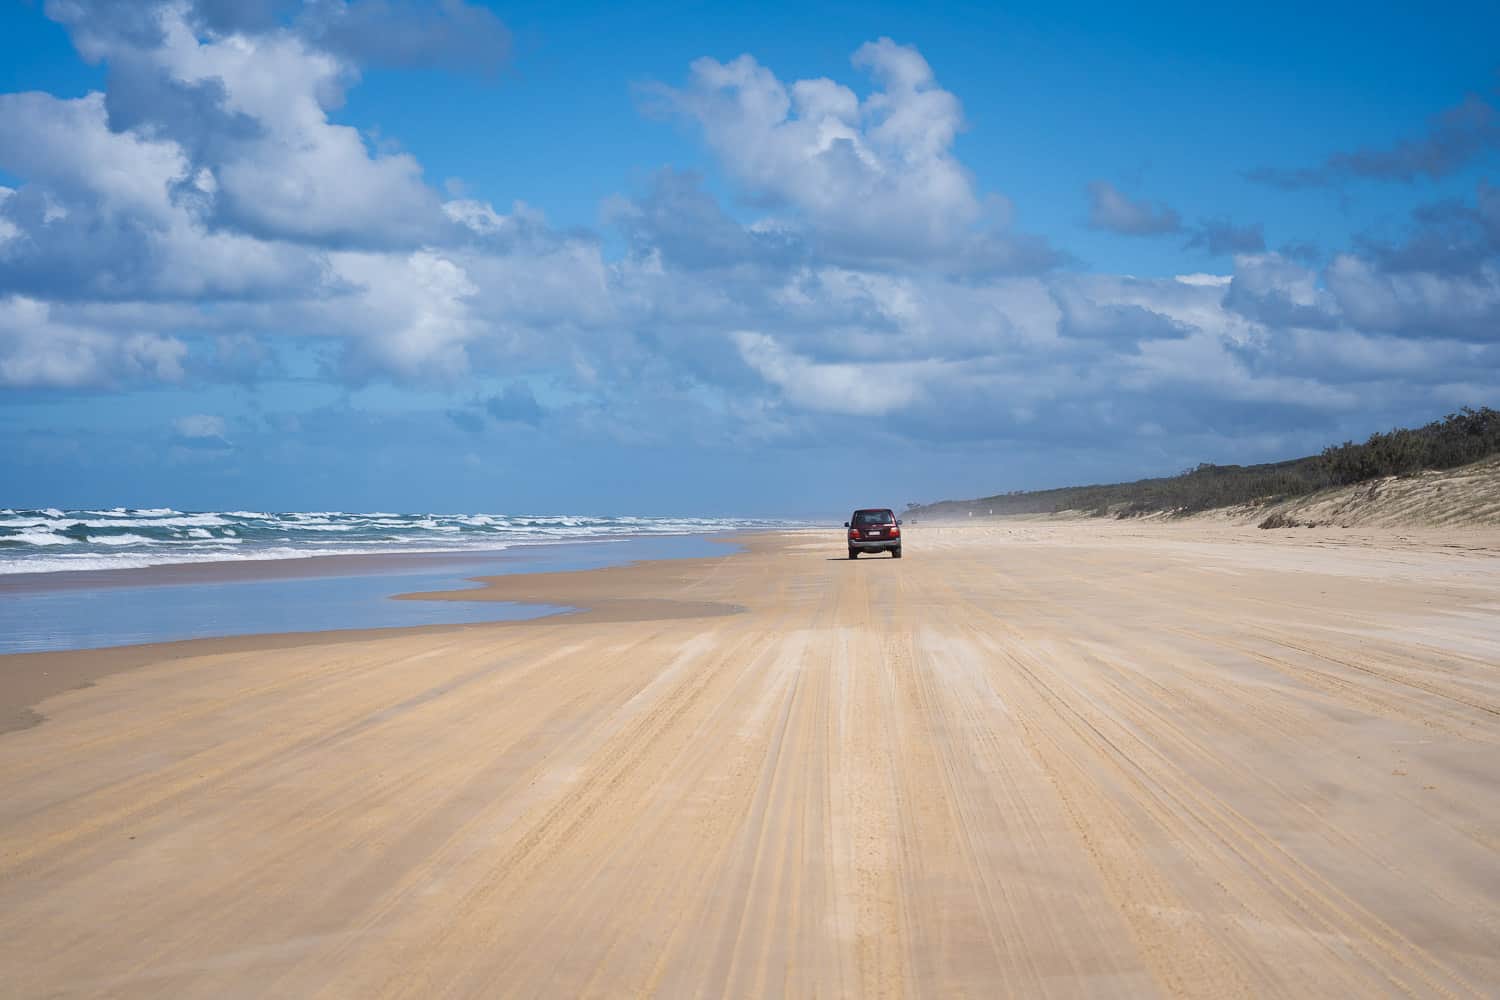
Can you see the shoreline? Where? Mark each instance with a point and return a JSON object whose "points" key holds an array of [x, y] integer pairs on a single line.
{"points": [[303, 567], [29, 678]]}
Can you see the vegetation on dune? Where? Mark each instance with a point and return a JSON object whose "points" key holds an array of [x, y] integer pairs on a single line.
{"points": [[1457, 439]]}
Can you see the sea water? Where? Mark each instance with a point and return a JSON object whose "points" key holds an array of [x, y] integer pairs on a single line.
{"points": [[49, 540], [111, 610]]}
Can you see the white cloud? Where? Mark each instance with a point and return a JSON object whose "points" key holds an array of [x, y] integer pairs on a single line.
{"points": [[200, 426], [477, 216], [1276, 291], [481, 222], [1417, 303], [869, 286], [297, 175], [859, 389], [409, 315], [870, 178], [69, 146], [105, 219], [37, 350]]}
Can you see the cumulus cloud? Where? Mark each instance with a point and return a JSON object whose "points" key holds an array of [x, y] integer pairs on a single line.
{"points": [[113, 214], [1273, 289], [869, 179], [1439, 279], [210, 172], [449, 34], [1097, 318], [39, 350], [1417, 303], [297, 176], [1454, 138], [1111, 210], [230, 129], [867, 389], [70, 144], [208, 209], [686, 225], [410, 315]]}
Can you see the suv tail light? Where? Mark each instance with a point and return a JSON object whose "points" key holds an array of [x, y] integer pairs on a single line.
{"points": [[895, 531], [853, 532]]}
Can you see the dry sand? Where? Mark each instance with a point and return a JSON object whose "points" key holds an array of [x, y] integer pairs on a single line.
{"points": [[1027, 760], [1469, 495]]}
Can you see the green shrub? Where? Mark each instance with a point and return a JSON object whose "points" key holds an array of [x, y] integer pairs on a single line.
{"points": [[1458, 439]]}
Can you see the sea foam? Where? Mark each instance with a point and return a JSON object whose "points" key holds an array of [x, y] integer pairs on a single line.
{"points": [[49, 540]]}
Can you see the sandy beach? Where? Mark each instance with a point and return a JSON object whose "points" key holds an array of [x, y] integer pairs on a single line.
{"points": [[1029, 759]]}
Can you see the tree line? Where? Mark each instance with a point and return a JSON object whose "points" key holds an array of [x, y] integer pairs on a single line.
{"points": [[1457, 439]]}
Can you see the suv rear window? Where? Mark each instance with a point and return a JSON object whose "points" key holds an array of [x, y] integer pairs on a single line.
{"points": [[864, 517]]}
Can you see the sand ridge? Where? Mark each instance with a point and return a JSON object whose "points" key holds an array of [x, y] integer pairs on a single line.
{"points": [[1026, 760]]}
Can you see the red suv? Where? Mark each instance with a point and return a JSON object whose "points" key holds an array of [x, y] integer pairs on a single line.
{"points": [[874, 530]]}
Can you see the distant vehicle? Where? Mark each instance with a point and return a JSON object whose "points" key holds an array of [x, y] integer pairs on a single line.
{"points": [[874, 529]]}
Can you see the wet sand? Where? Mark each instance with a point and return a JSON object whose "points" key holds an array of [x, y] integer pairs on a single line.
{"points": [[1029, 759]]}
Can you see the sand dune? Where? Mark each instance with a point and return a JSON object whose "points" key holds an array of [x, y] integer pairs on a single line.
{"points": [[1469, 495], [1096, 759]]}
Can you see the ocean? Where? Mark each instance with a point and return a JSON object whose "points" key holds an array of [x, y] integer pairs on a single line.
{"points": [[90, 610], [49, 540]]}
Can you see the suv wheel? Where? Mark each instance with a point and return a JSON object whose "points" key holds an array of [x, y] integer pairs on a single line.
{"points": [[896, 552], [854, 553]]}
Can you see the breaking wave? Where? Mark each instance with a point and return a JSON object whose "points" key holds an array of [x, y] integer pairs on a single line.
{"points": [[47, 540]]}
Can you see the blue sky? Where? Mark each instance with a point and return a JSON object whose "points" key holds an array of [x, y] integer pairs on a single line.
{"points": [[380, 254]]}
